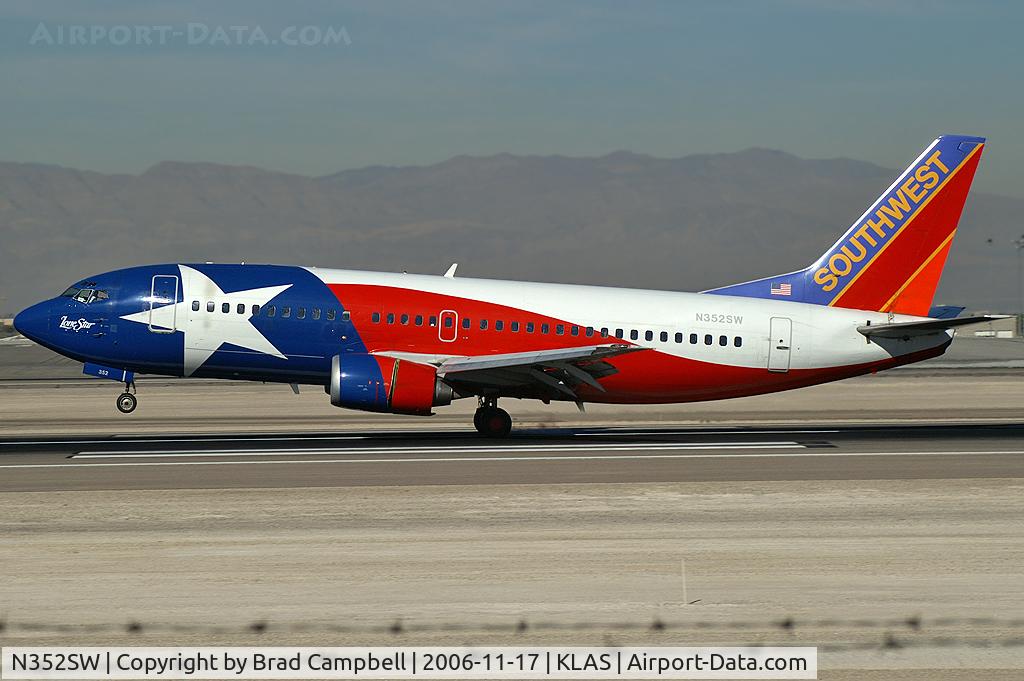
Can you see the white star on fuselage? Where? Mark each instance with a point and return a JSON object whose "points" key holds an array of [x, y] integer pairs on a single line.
{"points": [[205, 332]]}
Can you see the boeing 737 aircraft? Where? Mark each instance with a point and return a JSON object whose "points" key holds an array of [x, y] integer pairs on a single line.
{"points": [[404, 343]]}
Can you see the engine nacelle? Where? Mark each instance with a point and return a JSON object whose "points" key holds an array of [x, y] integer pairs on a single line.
{"points": [[386, 384]]}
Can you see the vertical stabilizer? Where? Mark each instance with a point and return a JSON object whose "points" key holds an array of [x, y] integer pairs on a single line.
{"points": [[892, 257]]}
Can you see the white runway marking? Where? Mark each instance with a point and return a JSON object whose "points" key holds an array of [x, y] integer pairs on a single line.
{"points": [[17, 341], [512, 459], [436, 449], [700, 432], [299, 436], [185, 439]]}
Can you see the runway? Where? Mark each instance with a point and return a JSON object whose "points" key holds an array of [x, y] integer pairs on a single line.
{"points": [[217, 505], [532, 456]]}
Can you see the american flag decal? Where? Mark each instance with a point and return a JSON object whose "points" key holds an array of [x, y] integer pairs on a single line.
{"points": [[782, 289]]}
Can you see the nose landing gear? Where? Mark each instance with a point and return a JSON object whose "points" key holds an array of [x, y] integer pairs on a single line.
{"points": [[126, 401], [490, 421]]}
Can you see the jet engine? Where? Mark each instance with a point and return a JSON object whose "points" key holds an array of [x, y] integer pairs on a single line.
{"points": [[385, 384]]}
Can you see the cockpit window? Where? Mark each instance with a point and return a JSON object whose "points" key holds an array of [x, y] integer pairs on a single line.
{"points": [[85, 295]]}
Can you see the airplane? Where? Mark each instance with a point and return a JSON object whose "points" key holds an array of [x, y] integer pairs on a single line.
{"points": [[407, 343]]}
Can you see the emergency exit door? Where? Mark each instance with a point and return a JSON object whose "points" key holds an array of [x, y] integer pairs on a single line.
{"points": [[780, 342]]}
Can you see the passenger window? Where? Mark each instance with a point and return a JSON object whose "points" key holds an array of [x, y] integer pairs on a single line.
{"points": [[255, 310], [737, 341], [649, 335], [316, 313], [529, 327], [499, 325], [391, 317], [332, 315], [210, 306], [419, 320], [433, 321], [465, 322], [590, 332], [300, 313], [560, 329], [195, 306], [375, 317], [345, 315], [709, 339], [240, 308], [693, 339], [448, 322], [604, 332], [286, 311], [619, 333], [225, 307], [664, 336], [483, 324], [545, 328], [634, 334], [574, 330], [404, 320], [723, 341], [514, 327], [679, 338], [272, 310]]}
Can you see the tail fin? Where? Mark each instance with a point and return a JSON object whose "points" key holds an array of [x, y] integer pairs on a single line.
{"points": [[891, 259]]}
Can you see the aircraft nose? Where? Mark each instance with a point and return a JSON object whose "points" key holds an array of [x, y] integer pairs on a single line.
{"points": [[33, 322]]}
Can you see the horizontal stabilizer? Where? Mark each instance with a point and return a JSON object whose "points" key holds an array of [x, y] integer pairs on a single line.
{"points": [[930, 326]]}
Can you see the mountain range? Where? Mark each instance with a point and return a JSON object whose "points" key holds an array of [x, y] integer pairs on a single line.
{"points": [[623, 219]]}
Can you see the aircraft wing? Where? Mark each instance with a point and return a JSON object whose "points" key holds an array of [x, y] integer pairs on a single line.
{"points": [[549, 373], [907, 329]]}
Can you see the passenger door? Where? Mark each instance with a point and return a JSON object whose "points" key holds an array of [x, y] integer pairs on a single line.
{"points": [[163, 309]]}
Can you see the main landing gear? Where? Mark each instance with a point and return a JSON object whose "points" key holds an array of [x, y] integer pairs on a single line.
{"points": [[126, 401], [491, 421]]}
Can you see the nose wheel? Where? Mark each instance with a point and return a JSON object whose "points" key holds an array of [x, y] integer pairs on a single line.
{"points": [[126, 401], [490, 421]]}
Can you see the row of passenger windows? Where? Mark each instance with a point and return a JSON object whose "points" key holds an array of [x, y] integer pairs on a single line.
{"points": [[405, 319], [484, 324], [272, 311], [559, 329]]}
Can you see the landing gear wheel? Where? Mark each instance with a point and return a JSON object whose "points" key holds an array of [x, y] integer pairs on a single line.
{"points": [[126, 403], [492, 422]]}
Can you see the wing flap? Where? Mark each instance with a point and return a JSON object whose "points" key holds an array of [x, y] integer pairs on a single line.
{"points": [[533, 358], [546, 373]]}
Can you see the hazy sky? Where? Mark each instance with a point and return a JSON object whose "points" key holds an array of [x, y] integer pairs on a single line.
{"points": [[419, 82]]}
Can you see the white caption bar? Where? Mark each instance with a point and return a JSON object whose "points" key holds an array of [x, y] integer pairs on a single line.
{"points": [[410, 662]]}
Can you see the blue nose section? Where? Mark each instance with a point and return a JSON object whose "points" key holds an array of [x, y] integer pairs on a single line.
{"points": [[34, 322]]}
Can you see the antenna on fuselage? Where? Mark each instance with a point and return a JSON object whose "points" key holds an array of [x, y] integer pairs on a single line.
{"points": [[450, 274]]}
